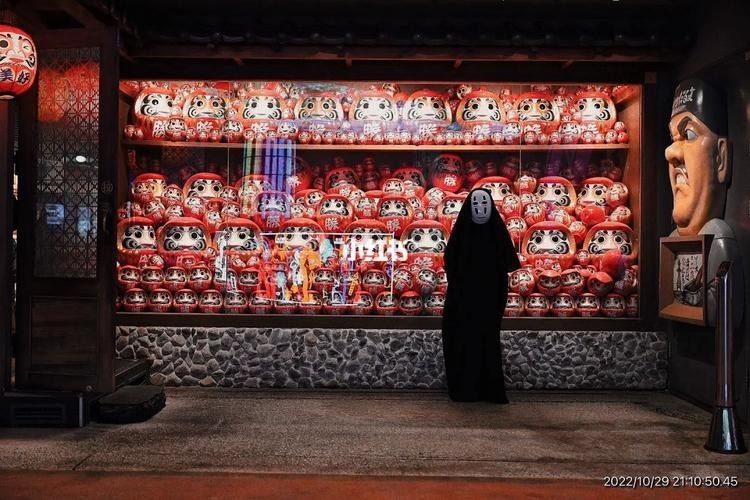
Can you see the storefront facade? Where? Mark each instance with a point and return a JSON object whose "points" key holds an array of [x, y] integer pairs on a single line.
{"points": [[568, 139]]}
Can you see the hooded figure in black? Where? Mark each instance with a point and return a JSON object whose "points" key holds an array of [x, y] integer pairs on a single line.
{"points": [[479, 256]]}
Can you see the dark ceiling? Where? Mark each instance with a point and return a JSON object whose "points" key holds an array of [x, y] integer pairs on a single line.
{"points": [[641, 31]]}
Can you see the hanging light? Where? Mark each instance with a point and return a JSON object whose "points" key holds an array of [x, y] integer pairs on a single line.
{"points": [[18, 61]]}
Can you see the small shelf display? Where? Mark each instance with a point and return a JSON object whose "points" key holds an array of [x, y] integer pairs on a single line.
{"points": [[339, 198]]}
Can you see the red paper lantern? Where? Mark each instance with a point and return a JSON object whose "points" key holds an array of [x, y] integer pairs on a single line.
{"points": [[18, 61]]}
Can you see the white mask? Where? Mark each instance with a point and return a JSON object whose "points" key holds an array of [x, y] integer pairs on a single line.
{"points": [[481, 206]]}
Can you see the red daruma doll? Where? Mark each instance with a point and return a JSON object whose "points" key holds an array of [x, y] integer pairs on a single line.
{"points": [[395, 212], [181, 238], [152, 110], [136, 237]]}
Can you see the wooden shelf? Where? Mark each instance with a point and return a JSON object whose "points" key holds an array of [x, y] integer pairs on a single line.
{"points": [[178, 320], [384, 147]]}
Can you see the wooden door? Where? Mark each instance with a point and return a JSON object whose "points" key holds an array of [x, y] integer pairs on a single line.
{"points": [[67, 148]]}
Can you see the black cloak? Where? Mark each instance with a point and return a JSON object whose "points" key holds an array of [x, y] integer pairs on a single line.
{"points": [[478, 259]]}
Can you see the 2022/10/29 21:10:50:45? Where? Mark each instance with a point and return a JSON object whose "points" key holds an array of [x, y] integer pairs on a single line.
{"points": [[670, 481]]}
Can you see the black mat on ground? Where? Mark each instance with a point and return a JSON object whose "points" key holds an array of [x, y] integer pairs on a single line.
{"points": [[130, 404]]}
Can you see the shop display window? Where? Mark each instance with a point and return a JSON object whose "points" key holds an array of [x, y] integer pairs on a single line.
{"points": [[339, 198]]}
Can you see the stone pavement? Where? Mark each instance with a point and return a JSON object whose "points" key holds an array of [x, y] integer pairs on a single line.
{"points": [[542, 435]]}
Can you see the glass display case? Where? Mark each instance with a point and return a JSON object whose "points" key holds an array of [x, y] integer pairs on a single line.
{"points": [[339, 198]]}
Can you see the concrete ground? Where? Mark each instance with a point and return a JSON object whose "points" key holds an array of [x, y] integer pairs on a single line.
{"points": [[540, 435], [544, 435]]}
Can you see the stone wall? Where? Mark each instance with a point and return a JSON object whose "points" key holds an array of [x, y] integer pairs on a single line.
{"points": [[393, 359]]}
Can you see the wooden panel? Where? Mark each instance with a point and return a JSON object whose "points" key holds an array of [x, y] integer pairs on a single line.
{"points": [[6, 244], [62, 329]]}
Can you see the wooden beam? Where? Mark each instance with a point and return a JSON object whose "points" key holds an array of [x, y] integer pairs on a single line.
{"points": [[29, 18], [327, 53], [71, 7]]}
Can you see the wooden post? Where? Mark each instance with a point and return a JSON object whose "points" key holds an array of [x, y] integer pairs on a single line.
{"points": [[6, 243]]}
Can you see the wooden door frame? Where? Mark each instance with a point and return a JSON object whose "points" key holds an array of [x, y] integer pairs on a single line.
{"points": [[102, 288], [6, 243]]}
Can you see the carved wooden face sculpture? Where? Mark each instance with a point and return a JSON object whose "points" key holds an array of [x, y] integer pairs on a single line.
{"points": [[537, 112], [699, 168], [373, 105], [480, 106], [325, 107], [597, 111], [547, 242], [558, 191], [427, 105]]}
